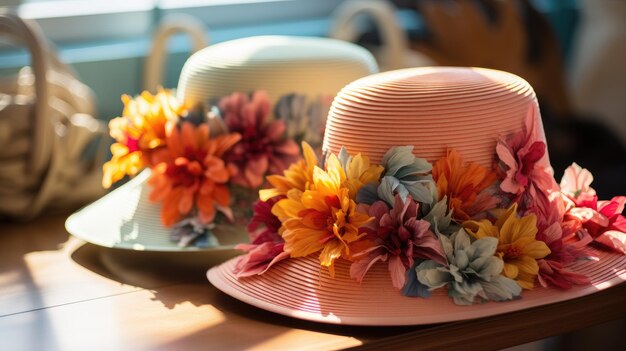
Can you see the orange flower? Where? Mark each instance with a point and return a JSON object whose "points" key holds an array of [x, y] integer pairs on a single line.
{"points": [[141, 130], [321, 218], [463, 184], [191, 174], [298, 176]]}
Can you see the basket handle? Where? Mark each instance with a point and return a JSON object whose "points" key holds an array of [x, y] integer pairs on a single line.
{"points": [[170, 25], [29, 34], [395, 41]]}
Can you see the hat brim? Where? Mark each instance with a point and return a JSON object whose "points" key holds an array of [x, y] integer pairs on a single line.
{"points": [[126, 219], [300, 288]]}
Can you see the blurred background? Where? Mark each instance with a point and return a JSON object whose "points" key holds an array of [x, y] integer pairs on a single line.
{"points": [[573, 52]]}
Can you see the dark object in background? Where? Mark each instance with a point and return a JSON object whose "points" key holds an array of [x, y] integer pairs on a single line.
{"points": [[591, 145], [514, 36], [507, 35]]}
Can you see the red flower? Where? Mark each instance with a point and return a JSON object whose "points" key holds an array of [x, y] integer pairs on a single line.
{"points": [[264, 224], [267, 245], [263, 148]]}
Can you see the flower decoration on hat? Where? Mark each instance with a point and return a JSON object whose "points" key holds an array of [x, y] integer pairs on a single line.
{"points": [[305, 120], [585, 215], [529, 178], [464, 185], [471, 273], [141, 130], [323, 218], [404, 174], [191, 174], [517, 244], [398, 237], [267, 246], [264, 147], [481, 233], [202, 164]]}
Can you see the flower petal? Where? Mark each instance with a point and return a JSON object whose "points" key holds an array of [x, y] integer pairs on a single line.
{"points": [[537, 249], [397, 271], [429, 275], [510, 271], [613, 239]]}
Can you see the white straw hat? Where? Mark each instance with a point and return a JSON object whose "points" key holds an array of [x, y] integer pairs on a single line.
{"points": [[278, 65]]}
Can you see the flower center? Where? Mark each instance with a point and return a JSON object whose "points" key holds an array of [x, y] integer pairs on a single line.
{"points": [[512, 252], [528, 161], [132, 144], [187, 170], [330, 223], [336, 220]]}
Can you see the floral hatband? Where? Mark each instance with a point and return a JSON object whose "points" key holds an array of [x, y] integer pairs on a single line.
{"points": [[483, 234], [207, 161]]}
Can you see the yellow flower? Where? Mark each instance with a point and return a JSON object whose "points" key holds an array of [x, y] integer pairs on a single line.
{"points": [[359, 172], [298, 176], [124, 161], [517, 246], [321, 218], [141, 130]]}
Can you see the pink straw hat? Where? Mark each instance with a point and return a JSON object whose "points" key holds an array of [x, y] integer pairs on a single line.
{"points": [[518, 229], [300, 288]]}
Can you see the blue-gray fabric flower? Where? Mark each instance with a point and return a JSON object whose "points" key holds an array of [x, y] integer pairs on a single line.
{"points": [[405, 175], [192, 231], [473, 272], [440, 218], [304, 119]]}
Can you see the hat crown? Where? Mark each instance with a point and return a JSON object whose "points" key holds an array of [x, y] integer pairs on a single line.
{"points": [[432, 108], [280, 65]]}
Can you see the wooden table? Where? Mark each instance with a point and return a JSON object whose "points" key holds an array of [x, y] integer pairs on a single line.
{"points": [[58, 293]]}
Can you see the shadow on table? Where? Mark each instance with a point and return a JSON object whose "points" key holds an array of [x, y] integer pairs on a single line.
{"points": [[174, 283], [153, 271]]}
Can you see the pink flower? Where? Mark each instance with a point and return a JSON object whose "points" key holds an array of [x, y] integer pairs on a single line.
{"points": [[263, 147], [552, 268], [576, 182], [528, 173], [602, 220], [259, 258], [552, 273], [398, 237], [266, 248]]}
